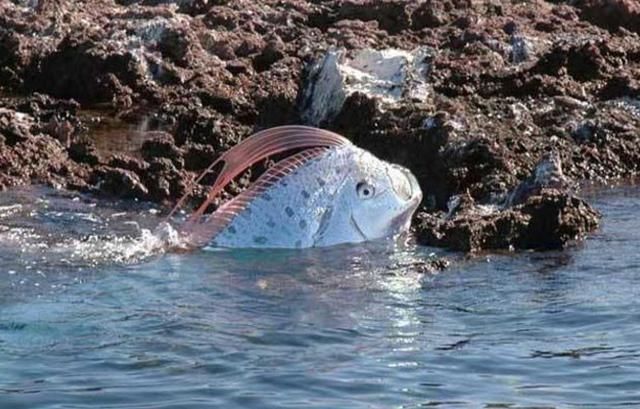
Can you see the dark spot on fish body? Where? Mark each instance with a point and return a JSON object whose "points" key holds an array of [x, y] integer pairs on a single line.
{"points": [[289, 211], [267, 197], [260, 239], [321, 182], [231, 229], [271, 223], [302, 224], [323, 223], [306, 194]]}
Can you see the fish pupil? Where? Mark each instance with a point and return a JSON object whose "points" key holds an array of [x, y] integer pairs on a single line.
{"points": [[364, 189]]}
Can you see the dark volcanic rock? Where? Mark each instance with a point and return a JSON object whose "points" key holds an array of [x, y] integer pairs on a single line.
{"points": [[81, 69], [198, 156], [164, 180], [84, 152], [27, 154], [546, 175], [550, 220], [612, 14], [162, 146], [540, 213], [391, 15], [119, 182]]}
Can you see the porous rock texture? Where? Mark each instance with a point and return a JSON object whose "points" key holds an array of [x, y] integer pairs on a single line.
{"points": [[134, 97]]}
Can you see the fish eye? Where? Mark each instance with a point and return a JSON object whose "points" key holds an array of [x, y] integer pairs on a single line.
{"points": [[365, 190]]}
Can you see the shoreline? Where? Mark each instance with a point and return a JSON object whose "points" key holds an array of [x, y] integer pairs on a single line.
{"points": [[495, 88]]}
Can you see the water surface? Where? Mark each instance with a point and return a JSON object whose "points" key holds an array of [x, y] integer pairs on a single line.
{"points": [[94, 314]]}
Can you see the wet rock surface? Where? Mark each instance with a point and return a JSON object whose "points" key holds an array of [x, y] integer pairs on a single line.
{"points": [[541, 213], [133, 98], [547, 221]]}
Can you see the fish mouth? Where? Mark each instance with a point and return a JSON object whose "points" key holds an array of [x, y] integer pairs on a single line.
{"points": [[402, 222], [354, 223], [404, 184]]}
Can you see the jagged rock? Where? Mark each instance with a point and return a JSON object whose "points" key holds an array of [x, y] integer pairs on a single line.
{"points": [[550, 220], [390, 15], [386, 76], [119, 182], [129, 163], [198, 156], [546, 175], [84, 152], [15, 127], [540, 213], [612, 14], [162, 146]]}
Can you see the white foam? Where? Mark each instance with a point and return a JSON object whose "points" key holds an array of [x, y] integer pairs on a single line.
{"points": [[121, 249]]}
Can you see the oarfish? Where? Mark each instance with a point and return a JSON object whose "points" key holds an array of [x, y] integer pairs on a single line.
{"points": [[331, 192]]}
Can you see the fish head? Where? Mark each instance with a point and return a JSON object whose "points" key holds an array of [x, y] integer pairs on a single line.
{"points": [[381, 197]]}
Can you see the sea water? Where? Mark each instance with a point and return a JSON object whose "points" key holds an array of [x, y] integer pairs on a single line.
{"points": [[94, 313]]}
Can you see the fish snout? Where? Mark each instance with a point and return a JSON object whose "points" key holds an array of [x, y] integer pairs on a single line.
{"points": [[404, 183]]}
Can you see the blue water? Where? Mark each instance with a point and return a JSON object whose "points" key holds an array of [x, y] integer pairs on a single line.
{"points": [[94, 314]]}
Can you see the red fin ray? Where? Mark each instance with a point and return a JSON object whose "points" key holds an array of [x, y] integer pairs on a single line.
{"points": [[258, 147], [254, 149], [202, 233]]}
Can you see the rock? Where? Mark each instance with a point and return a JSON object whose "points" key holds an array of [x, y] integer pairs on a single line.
{"points": [[129, 163], [540, 213], [198, 157], [429, 14], [78, 71], [119, 182], [175, 45], [84, 152], [611, 14], [236, 67], [221, 16], [556, 219], [164, 180], [218, 101], [546, 175], [392, 16], [589, 132], [271, 53], [387, 76], [15, 127], [161, 146], [521, 49], [548, 221], [582, 61]]}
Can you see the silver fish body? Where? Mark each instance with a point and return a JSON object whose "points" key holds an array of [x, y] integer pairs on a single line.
{"points": [[343, 194]]}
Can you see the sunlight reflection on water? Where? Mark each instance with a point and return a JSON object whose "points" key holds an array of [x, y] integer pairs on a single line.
{"points": [[110, 324]]}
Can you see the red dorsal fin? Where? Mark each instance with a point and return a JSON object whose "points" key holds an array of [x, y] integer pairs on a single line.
{"points": [[258, 147], [201, 233]]}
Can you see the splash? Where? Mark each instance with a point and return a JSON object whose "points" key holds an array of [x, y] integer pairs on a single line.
{"points": [[38, 224], [95, 249]]}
